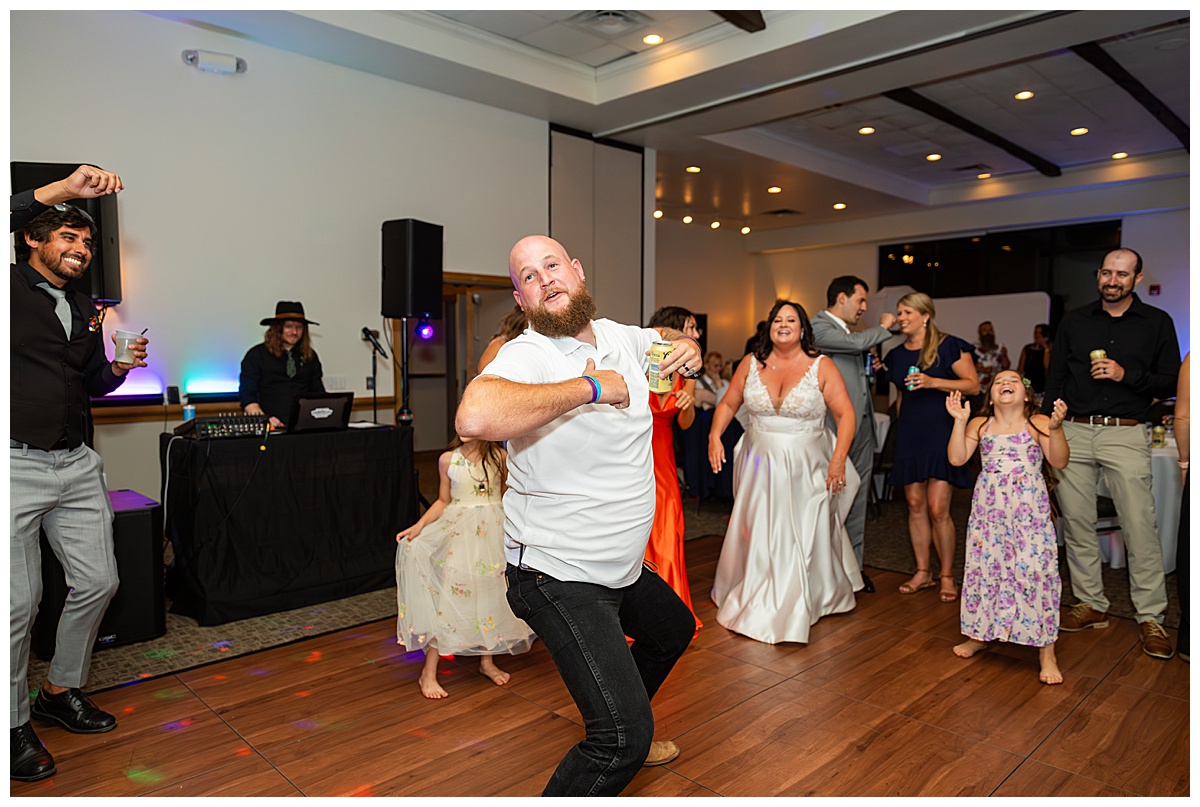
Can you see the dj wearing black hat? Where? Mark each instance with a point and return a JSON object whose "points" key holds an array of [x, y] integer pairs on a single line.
{"points": [[282, 367]]}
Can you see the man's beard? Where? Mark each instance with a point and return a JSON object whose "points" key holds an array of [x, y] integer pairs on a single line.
{"points": [[1114, 294], [569, 322], [59, 269], [988, 341]]}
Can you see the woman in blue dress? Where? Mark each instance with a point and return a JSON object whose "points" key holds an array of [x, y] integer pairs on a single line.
{"points": [[941, 363]]}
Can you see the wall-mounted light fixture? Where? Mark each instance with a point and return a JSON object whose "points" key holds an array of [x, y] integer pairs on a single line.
{"points": [[209, 62]]}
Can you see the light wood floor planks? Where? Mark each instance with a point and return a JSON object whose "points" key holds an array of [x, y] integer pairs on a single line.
{"points": [[875, 705]]}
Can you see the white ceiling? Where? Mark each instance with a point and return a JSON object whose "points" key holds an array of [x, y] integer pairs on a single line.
{"points": [[783, 106]]}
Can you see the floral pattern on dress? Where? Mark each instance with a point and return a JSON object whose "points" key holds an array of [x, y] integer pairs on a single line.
{"points": [[449, 579], [1011, 589]]}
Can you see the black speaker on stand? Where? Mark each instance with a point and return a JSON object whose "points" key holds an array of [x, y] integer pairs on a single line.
{"points": [[412, 284]]}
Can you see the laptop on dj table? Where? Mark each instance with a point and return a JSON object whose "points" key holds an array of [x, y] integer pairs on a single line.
{"points": [[323, 411]]}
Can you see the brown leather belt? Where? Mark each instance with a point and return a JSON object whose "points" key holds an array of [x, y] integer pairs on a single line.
{"points": [[1105, 420]]}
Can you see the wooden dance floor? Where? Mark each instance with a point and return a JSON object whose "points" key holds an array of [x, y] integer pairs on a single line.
{"points": [[875, 705]]}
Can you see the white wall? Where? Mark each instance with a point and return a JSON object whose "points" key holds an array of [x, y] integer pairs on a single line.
{"points": [[1161, 239], [242, 190], [707, 271]]}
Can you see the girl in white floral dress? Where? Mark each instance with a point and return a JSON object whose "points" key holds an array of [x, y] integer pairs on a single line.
{"points": [[1011, 587], [450, 569]]}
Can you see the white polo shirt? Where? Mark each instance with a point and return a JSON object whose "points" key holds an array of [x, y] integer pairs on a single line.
{"points": [[580, 496]]}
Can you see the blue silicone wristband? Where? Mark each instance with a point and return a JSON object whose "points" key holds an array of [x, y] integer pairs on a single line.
{"points": [[595, 388]]}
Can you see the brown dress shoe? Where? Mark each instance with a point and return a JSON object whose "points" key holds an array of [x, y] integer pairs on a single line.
{"points": [[1155, 642], [661, 753], [1081, 617]]}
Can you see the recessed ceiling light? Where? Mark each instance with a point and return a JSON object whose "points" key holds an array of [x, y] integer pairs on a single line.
{"points": [[1023, 95], [652, 39], [1120, 155], [687, 219], [1006, 248], [693, 169], [867, 130], [774, 189], [840, 206], [1082, 130], [715, 224], [746, 230], [976, 239], [984, 175], [658, 214], [933, 157]]}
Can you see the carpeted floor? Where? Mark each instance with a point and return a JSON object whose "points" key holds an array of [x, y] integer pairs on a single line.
{"points": [[186, 645]]}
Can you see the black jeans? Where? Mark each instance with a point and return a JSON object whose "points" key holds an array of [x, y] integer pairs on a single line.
{"points": [[584, 626]]}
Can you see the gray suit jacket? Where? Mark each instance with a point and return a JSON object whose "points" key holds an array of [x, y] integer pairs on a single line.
{"points": [[846, 350]]}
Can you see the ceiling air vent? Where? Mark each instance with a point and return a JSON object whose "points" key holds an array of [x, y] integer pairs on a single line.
{"points": [[609, 23]]}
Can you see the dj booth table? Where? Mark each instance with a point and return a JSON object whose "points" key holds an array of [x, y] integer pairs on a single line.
{"points": [[262, 526]]}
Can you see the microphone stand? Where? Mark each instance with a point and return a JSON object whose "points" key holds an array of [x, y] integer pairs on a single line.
{"points": [[374, 386]]}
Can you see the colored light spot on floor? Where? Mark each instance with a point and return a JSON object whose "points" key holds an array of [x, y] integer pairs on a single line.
{"points": [[313, 657], [305, 724], [143, 775], [129, 709], [424, 735], [308, 627], [164, 652], [303, 694], [169, 694], [218, 678], [260, 672], [361, 790], [177, 724], [223, 643], [244, 752], [145, 675]]}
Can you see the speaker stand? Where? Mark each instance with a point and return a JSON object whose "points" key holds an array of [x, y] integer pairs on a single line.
{"points": [[404, 415]]}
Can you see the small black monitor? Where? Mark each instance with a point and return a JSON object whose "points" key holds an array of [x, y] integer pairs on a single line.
{"points": [[322, 411]]}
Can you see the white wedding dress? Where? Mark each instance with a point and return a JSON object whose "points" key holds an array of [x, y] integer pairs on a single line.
{"points": [[786, 560]]}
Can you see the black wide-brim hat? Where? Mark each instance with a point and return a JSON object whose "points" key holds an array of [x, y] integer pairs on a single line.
{"points": [[288, 310]]}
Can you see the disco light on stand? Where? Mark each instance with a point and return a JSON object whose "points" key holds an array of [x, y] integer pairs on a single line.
{"points": [[424, 330]]}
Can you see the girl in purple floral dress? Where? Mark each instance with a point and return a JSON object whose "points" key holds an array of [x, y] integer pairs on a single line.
{"points": [[1011, 588]]}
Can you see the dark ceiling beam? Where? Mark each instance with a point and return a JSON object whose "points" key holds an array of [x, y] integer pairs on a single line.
{"points": [[1099, 58], [750, 21], [911, 98]]}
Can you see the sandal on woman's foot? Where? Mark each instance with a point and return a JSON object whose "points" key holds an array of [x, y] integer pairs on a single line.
{"points": [[944, 595], [908, 588]]}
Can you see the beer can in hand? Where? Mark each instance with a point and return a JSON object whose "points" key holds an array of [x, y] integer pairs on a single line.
{"points": [[912, 370], [1158, 437], [658, 353], [1098, 354]]}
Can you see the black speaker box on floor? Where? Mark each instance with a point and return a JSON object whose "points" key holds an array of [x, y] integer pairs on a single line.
{"points": [[101, 281], [138, 610], [412, 270]]}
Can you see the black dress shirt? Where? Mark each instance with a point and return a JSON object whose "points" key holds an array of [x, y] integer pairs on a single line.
{"points": [[1142, 341], [264, 380]]}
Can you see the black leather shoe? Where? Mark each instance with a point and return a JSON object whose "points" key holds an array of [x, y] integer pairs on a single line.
{"points": [[30, 759], [73, 711], [868, 586]]}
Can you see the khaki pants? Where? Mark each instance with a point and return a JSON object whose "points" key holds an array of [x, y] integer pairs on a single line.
{"points": [[1123, 452]]}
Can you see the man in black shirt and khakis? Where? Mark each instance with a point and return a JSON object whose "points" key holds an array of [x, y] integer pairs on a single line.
{"points": [[56, 480], [1111, 359]]}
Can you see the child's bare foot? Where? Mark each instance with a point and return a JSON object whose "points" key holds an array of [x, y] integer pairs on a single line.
{"points": [[488, 667], [1050, 673], [969, 648], [430, 688]]}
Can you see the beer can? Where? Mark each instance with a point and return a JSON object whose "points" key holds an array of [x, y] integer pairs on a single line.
{"points": [[870, 365], [658, 353], [1098, 354], [189, 411], [912, 370], [1158, 437]]}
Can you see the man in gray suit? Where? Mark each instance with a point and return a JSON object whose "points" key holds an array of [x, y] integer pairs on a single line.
{"points": [[846, 299]]}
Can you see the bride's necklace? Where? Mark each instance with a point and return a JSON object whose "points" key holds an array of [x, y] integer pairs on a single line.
{"points": [[789, 363]]}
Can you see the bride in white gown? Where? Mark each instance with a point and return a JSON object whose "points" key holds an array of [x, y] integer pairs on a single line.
{"points": [[786, 560]]}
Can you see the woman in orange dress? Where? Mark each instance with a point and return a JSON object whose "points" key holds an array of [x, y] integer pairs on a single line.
{"points": [[665, 549]]}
